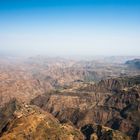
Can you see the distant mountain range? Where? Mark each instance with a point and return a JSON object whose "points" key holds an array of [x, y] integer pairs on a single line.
{"points": [[134, 63]]}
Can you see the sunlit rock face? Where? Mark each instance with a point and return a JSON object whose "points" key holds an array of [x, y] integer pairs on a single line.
{"points": [[99, 99], [117, 109], [20, 121]]}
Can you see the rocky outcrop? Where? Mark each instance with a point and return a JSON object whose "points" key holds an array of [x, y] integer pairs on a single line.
{"points": [[38, 125], [6, 114], [113, 84], [115, 103], [30, 122], [99, 132]]}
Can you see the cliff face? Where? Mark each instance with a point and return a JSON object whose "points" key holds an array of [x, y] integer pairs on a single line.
{"points": [[113, 84], [99, 132], [115, 103], [22, 122]]}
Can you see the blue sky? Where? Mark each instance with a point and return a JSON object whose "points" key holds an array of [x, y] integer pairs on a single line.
{"points": [[70, 27]]}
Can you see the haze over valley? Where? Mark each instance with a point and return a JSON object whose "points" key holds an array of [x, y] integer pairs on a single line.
{"points": [[69, 70], [86, 96]]}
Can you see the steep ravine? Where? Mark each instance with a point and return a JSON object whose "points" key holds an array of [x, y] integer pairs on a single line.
{"points": [[117, 109]]}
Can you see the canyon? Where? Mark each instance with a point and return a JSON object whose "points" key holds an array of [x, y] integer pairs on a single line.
{"points": [[66, 99]]}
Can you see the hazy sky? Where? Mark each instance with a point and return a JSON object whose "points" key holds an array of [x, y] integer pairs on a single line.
{"points": [[70, 27]]}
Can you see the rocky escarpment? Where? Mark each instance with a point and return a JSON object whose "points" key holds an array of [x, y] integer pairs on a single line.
{"points": [[113, 84], [117, 109], [22, 122], [99, 132]]}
